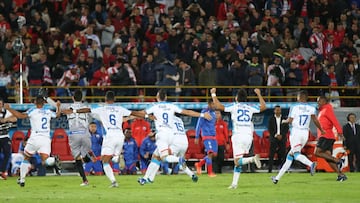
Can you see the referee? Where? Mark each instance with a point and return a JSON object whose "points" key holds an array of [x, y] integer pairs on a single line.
{"points": [[6, 118], [79, 136]]}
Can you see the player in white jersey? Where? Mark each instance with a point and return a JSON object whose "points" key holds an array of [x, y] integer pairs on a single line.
{"points": [[242, 137], [39, 141], [79, 136], [300, 116], [111, 117], [179, 145], [164, 114]]}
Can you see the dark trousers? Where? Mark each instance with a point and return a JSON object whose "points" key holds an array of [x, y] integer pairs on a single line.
{"points": [[5, 148], [218, 161], [354, 153], [279, 147]]}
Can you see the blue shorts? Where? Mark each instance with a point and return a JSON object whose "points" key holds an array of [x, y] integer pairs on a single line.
{"points": [[96, 167], [211, 146]]}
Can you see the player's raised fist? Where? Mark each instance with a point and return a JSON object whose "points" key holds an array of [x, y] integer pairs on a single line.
{"points": [[213, 90], [257, 91], [7, 106], [207, 116]]}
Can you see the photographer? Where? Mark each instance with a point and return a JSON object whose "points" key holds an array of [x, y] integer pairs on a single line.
{"points": [[6, 118]]}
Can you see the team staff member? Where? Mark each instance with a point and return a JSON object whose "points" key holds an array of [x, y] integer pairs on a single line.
{"points": [[351, 132], [6, 118], [278, 139], [326, 141], [222, 138]]}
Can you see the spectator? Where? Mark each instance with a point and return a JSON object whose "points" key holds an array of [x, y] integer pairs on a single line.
{"points": [[207, 77], [255, 73], [36, 73], [70, 78], [275, 77], [239, 72], [5, 80], [351, 81], [293, 78], [187, 78], [334, 93]]}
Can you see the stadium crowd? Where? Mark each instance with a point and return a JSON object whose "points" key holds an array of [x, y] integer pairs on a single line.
{"points": [[179, 43]]}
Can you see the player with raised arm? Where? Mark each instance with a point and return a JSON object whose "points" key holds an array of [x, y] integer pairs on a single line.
{"points": [[242, 138], [39, 140], [300, 116], [79, 136], [164, 114], [111, 117]]}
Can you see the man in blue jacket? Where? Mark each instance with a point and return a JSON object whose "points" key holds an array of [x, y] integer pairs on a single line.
{"points": [[147, 148], [130, 152]]}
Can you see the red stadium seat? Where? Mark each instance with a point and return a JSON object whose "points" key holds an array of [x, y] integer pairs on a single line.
{"points": [[60, 145], [257, 143], [194, 151], [16, 139], [265, 144]]}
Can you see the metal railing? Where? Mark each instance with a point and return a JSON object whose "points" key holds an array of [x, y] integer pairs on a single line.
{"points": [[197, 92]]}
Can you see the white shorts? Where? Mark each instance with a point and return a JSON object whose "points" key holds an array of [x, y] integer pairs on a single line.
{"points": [[39, 144], [163, 141], [298, 139], [112, 145], [179, 146], [241, 144]]}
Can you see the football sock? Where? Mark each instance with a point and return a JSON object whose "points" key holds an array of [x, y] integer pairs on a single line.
{"points": [[24, 169], [202, 161], [302, 159], [172, 159], [187, 171], [209, 164], [246, 160], [236, 175], [152, 169], [285, 167], [80, 168], [109, 172]]}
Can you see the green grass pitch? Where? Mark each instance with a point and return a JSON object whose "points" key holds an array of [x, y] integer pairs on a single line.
{"points": [[253, 187]]}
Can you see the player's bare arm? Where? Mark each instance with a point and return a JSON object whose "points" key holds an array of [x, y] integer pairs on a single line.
{"points": [[216, 101], [317, 123], [191, 113], [70, 111], [261, 99], [15, 113], [58, 111], [288, 120]]}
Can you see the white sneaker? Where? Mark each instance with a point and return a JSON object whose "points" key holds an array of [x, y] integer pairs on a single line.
{"points": [[232, 187], [257, 161], [85, 183], [114, 185]]}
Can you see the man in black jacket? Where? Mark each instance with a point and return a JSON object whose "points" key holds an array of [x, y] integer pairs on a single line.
{"points": [[277, 137], [351, 132]]}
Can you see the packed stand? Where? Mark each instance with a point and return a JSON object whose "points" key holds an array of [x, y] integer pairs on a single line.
{"points": [[182, 43]]}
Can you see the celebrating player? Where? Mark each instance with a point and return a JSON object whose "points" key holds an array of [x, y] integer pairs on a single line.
{"points": [[241, 115], [39, 140], [299, 118], [164, 113]]}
